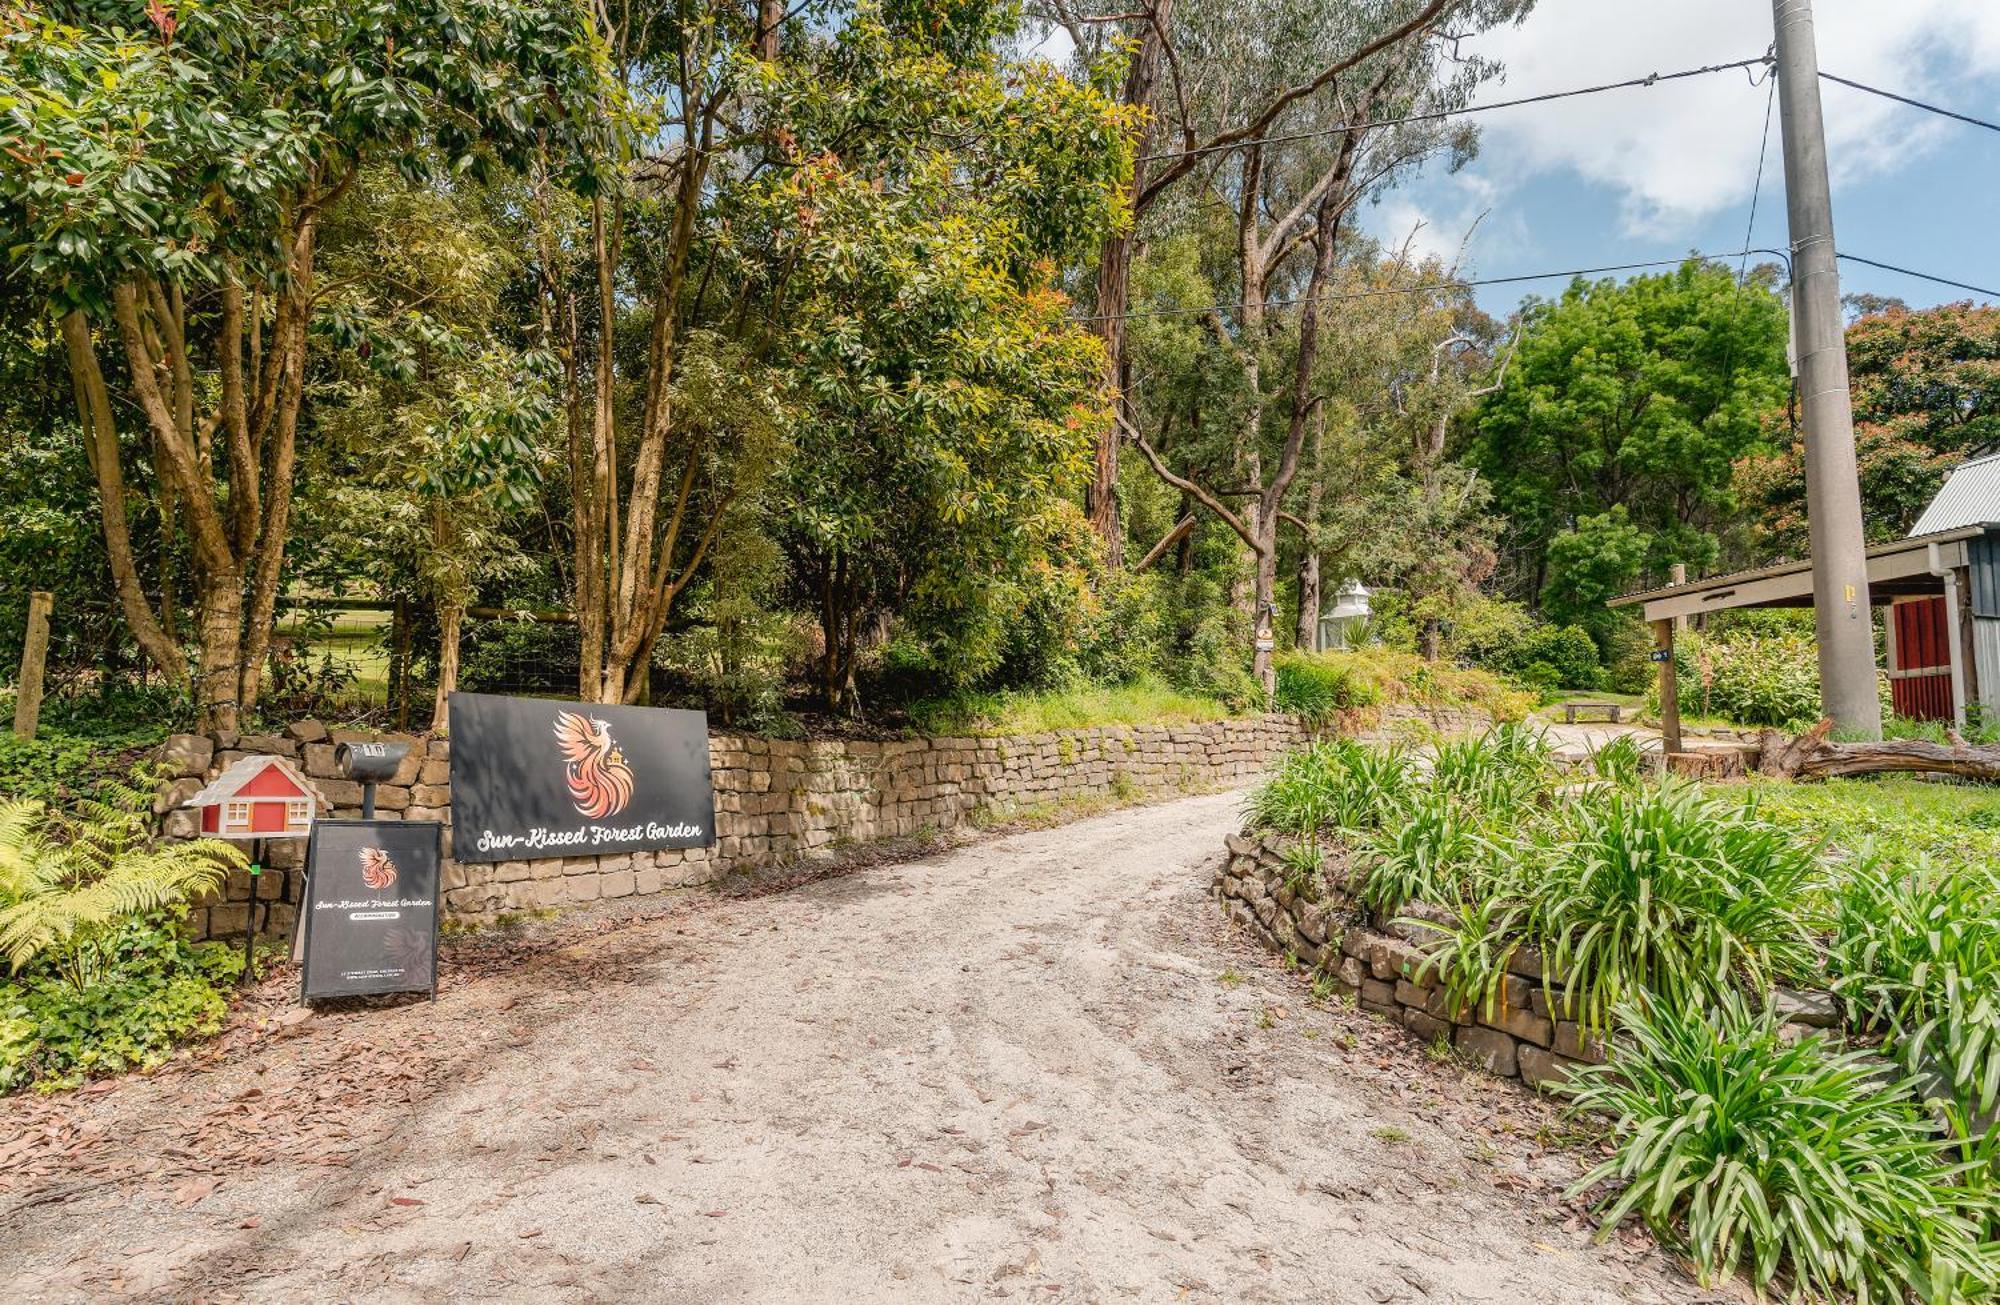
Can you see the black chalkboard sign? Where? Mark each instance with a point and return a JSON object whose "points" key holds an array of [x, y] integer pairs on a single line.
{"points": [[371, 907], [534, 778]]}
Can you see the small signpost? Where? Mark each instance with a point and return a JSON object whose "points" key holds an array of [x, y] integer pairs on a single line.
{"points": [[371, 908]]}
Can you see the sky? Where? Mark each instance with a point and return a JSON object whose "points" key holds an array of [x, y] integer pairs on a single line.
{"points": [[1653, 173]]}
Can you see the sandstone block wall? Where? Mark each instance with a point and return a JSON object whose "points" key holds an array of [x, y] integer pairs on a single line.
{"points": [[1523, 1034], [776, 801]]}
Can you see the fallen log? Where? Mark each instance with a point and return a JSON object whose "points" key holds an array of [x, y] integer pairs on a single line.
{"points": [[1812, 756]]}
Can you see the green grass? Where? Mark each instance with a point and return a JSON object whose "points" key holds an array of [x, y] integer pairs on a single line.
{"points": [[1143, 702], [1950, 821], [355, 643]]}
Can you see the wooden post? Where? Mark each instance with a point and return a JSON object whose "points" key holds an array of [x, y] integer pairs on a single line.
{"points": [[1679, 576], [399, 662], [1670, 698], [34, 661], [1954, 648]]}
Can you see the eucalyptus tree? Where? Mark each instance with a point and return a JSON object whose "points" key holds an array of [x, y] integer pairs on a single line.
{"points": [[1216, 80], [1301, 113], [166, 174]]}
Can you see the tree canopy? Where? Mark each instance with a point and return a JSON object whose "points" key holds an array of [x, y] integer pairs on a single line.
{"points": [[1613, 443]]}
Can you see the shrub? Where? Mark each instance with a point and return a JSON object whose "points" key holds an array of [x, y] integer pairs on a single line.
{"points": [[1501, 772], [1916, 951], [1332, 785], [1620, 761], [1492, 632], [1388, 676], [1569, 651], [1314, 688], [68, 885], [153, 990], [1749, 678], [1783, 1160], [1650, 896], [1428, 850]]}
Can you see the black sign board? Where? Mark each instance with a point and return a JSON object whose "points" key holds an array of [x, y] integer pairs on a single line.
{"points": [[371, 907], [534, 778], [1661, 655]]}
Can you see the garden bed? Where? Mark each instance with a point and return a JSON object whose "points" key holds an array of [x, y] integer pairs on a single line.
{"points": [[1783, 1017]]}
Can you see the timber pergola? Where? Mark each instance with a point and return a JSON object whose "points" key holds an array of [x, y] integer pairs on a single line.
{"points": [[1921, 565]]}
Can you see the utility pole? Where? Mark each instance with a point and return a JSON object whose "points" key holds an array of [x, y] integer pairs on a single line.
{"points": [[1833, 489]]}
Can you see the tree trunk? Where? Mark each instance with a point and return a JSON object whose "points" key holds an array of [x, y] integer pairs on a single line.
{"points": [[1100, 500], [1114, 274], [1812, 756], [1263, 663], [217, 682], [100, 443], [1306, 636], [1307, 633], [451, 619]]}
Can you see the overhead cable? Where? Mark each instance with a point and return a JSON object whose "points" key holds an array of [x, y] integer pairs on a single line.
{"points": [[1921, 276], [1651, 79], [1915, 104], [1466, 283]]}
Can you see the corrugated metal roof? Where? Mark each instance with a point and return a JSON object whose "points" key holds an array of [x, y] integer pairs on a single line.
{"points": [[1913, 544], [1970, 497]]}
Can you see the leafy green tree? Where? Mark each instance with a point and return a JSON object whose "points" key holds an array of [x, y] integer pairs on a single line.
{"points": [[1926, 390], [167, 172], [940, 400], [1619, 426]]}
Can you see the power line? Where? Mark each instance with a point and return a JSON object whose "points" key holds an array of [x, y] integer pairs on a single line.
{"points": [[1921, 276], [1651, 79], [1757, 187], [1433, 286], [1915, 104]]}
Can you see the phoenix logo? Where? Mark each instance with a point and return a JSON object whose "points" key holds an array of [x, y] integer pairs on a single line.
{"points": [[600, 783], [378, 871]]}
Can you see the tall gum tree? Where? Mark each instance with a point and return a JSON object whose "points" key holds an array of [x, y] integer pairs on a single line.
{"points": [[1289, 156], [166, 170], [1196, 110]]}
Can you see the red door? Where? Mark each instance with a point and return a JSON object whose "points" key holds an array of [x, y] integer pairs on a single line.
{"points": [[267, 817], [1920, 679]]}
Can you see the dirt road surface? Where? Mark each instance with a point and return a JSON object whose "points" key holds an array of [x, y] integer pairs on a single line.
{"points": [[1040, 1068]]}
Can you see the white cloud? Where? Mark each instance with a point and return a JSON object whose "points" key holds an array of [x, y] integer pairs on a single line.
{"points": [[1455, 214], [1681, 151]]}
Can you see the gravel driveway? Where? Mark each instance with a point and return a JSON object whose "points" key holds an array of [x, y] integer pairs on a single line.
{"points": [[1040, 1068]]}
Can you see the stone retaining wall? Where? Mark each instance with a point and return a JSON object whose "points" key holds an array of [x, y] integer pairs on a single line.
{"points": [[1522, 1035], [776, 801]]}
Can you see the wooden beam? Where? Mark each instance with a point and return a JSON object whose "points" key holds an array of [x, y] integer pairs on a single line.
{"points": [[34, 661], [1670, 697], [1167, 541]]}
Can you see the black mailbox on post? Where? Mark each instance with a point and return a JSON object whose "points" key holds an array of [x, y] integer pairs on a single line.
{"points": [[371, 763]]}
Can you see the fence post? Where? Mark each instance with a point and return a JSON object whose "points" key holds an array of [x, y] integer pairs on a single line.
{"points": [[34, 660]]}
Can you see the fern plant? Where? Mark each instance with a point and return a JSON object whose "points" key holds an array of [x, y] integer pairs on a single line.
{"points": [[66, 882]]}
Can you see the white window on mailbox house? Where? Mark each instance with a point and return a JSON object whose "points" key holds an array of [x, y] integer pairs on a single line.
{"points": [[236, 813]]}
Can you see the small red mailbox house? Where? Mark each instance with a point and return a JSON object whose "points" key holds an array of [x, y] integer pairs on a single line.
{"points": [[258, 797]]}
